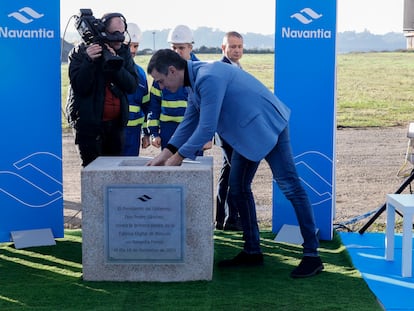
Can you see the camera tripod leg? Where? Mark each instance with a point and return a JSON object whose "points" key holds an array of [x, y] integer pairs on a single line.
{"points": [[383, 207]]}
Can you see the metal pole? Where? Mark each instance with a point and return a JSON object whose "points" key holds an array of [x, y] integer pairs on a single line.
{"points": [[404, 185]]}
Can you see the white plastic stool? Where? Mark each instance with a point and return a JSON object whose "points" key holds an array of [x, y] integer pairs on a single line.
{"points": [[403, 203]]}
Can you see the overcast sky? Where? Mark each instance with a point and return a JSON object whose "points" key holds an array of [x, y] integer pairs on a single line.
{"points": [[376, 16]]}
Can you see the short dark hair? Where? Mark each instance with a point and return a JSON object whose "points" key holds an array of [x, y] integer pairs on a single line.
{"points": [[162, 59], [108, 16], [231, 34]]}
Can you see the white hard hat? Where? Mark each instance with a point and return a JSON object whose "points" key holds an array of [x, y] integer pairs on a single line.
{"points": [[180, 34], [134, 32]]}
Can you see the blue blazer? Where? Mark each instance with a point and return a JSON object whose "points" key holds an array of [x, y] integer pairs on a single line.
{"points": [[233, 103]]}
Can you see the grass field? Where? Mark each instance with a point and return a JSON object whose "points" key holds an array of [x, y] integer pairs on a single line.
{"points": [[50, 278], [373, 89]]}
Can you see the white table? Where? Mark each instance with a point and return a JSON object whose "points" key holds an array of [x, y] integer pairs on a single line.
{"points": [[404, 204]]}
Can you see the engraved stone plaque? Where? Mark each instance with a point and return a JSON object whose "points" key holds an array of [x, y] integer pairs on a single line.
{"points": [[144, 224]]}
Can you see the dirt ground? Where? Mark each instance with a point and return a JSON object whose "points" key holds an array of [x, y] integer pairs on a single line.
{"points": [[367, 166]]}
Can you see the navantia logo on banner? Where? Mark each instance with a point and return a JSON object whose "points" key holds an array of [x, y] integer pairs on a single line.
{"points": [[25, 17], [305, 16]]}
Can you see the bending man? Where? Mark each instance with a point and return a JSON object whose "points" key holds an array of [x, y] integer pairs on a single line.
{"points": [[221, 98]]}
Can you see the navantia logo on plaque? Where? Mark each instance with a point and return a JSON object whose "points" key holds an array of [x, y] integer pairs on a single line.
{"points": [[30, 119], [305, 60]]}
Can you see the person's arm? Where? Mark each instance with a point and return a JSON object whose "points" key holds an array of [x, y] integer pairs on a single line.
{"points": [[126, 78], [201, 118], [82, 69], [144, 104], [153, 115]]}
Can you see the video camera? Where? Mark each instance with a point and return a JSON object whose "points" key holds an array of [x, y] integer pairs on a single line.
{"points": [[93, 30]]}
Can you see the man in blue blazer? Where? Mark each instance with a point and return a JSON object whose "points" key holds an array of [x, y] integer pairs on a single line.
{"points": [[237, 106]]}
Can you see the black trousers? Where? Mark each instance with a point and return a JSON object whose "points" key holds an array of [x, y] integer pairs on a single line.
{"points": [[107, 141], [224, 207]]}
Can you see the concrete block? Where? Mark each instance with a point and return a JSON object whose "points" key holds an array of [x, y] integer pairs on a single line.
{"points": [[147, 223]]}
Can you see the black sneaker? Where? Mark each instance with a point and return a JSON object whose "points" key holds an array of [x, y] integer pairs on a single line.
{"points": [[219, 226], [309, 266], [243, 259]]}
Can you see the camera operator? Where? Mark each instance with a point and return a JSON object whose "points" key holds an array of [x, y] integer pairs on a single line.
{"points": [[101, 74]]}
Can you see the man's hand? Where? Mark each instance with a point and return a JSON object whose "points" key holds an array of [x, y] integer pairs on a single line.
{"points": [[110, 49], [208, 145], [156, 142], [175, 160], [160, 159], [94, 51], [145, 141]]}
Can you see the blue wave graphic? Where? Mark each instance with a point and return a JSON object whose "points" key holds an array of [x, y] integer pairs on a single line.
{"points": [[36, 183], [304, 19], [23, 19], [319, 187], [37, 161]]}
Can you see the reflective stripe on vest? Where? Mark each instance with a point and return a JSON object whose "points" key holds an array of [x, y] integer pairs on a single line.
{"points": [[136, 122], [146, 98], [153, 123], [165, 118], [156, 91], [174, 103]]}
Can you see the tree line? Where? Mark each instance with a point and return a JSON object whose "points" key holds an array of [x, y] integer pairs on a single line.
{"points": [[214, 50]]}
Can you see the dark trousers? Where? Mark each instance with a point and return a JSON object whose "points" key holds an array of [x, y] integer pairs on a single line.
{"points": [[132, 140], [222, 201], [108, 141], [283, 166]]}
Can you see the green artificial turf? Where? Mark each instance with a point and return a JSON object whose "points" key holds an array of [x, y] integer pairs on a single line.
{"points": [[50, 278]]}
